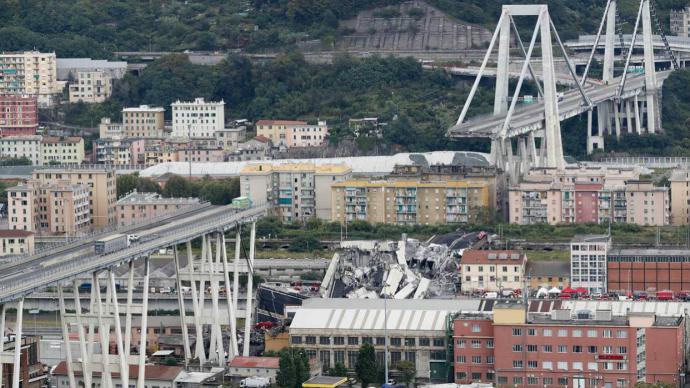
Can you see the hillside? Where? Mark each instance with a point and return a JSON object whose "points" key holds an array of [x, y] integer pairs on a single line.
{"points": [[74, 28]]}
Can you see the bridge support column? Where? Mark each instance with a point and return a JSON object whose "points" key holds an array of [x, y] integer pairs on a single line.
{"points": [[616, 119], [628, 116], [212, 267], [638, 119], [649, 70], [2, 339], [250, 287], [16, 370]]}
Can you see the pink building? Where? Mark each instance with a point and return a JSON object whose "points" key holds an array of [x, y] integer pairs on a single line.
{"points": [[587, 195], [291, 133], [18, 115], [136, 207]]}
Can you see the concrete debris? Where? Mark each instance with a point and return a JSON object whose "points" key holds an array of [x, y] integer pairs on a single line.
{"points": [[396, 269]]}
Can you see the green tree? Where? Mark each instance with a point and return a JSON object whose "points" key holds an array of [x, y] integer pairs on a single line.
{"points": [[407, 370], [293, 368], [304, 243], [366, 364], [338, 370], [177, 187], [23, 161], [658, 384], [125, 184]]}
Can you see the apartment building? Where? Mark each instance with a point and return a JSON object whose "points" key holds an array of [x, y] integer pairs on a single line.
{"points": [[110, 130], [62, 150], [18, 114], [230, 138], [67, 68], [119, 152], [332, 330], [586, 195], [67, 210], [100, 181], [258, 148], [20, 207], [30, 73], [680, 22], [588, 262], [198, 118], [22, 147], [492, 270], [290, 133], [137, 207], [16, 242], [159, 153], [547, 274], [144, 121], [562, 348], [32, 373], [91, 86], [410, 202], [680, 196], [210, 154], [296, 191]]}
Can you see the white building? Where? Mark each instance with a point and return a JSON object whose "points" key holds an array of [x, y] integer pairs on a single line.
{"points": [[332, 330], [20, 147], [68, 67], [230, 138], [91, 87], [588, 262], [143, 121], [109, 130], [30, 72], [197, 118]]}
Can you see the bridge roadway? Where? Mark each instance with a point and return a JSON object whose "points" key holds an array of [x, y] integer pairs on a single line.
{"points": [[24, 277], [528, 118]]}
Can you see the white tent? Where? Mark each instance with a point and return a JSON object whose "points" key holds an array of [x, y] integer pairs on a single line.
{"points": [[554, 291], [542, 292]]}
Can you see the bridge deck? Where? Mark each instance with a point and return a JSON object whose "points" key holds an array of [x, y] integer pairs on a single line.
{"points": [[531, 117], [20, 279]]}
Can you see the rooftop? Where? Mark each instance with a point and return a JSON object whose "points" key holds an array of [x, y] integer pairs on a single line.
{"points": [[136, 197], [197, 101], [368, 314], [144, 108], [590, 238], [411, 183], [476, 256], [363, 165], [5, 233], [267, 167], [152, 372], [649, 252], [56, 139], [547, 268], [280, 122], [255, 362], [324, 380]]}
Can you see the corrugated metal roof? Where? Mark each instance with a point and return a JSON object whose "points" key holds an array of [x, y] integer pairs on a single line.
{"points": [[368, 314], [662, 308], [366, 165]]}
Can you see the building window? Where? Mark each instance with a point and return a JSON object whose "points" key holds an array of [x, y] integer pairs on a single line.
{"points": [[439, 342], [476, 359], [591, 349], [607, 349], [622, 350], [296, 339], [547, 365], [517, 380], [476, 376], [460, 359], [577, 348], [531, 380], [424, 341], [577, 333], [409, 341], [562, 348], [562, 381], [607, 333], [517, 331], [396, 341], [382, 341], [353, 340], [460, 343], [476, 344], [411, 357], [562, 332], [547, 348], [490, 360], [352, 358], [338, 340], [517, 364], [548, 380], [502, 379], [562, 365], [577, 365], [476, 328], [325, 340], [592, 333], [460, 375], [310, 340], [517, 348], [532, 348], [367, 340], [621, 334], [592, 366], [546, 333], [490, 344], [532, 364], [532, 332]]}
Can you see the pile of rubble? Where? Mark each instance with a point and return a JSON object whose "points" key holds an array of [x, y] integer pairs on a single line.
{"points": [[393, 269]]}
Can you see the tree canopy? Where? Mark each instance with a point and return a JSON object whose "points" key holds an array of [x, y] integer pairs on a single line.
{"points": [[366, 366], [293, 368]]}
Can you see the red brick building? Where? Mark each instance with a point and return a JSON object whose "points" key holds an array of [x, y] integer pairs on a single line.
{"points": [[648, 269], [18, 115], [590, 349], [31, 374]]}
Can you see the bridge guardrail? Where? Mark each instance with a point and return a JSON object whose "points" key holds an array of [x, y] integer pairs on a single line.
{"points": [[30, 282]]}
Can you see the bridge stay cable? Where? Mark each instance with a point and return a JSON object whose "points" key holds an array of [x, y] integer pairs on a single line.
{"points": [[571, 69], [621, 85], [524, 52], [667, 46], [596, 42]]}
